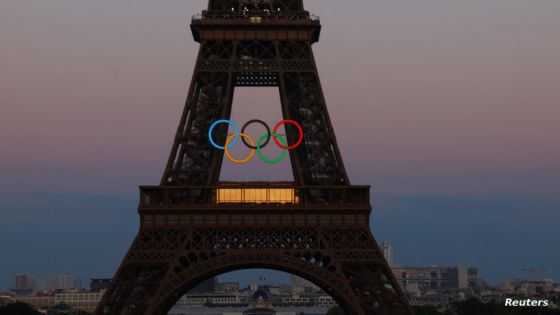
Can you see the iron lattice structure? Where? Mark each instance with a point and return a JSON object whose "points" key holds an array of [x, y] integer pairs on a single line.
{"points": [[188, 234]]}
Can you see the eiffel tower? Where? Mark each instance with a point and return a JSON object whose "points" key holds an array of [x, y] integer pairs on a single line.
{"points": [[194, 227]]}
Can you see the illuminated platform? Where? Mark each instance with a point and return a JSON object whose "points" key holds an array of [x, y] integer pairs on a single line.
{"points": [[252, 194]]}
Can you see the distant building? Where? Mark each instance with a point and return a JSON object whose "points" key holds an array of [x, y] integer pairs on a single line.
{"points": [[324, 301], [96, 285], [201, 299], [206, 286], [297, 299], [6, 298], [80, 300], [227, 287], [436, 278], [23, 284], [280, 289], [38, 300], [301, 285], [528, 287], [60, 282], [388, 253], [260, 304]]}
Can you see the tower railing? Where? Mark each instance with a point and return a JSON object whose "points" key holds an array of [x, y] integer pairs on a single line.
{"points": [[267, 195], [253, 16]]}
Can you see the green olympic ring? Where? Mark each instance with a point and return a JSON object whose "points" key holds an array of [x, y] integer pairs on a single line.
{"points": [[264, 158]]}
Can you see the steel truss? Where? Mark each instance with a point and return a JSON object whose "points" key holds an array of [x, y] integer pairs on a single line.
{"points": [[187, 235]]}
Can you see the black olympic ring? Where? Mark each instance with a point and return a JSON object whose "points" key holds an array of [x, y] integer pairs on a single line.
{"points": [[258, 121]]}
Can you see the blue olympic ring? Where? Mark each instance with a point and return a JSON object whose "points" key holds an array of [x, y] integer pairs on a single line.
{"points": [[224, 121]]}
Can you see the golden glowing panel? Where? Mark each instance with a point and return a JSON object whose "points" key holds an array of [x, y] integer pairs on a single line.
{"points": [[257, 195]]}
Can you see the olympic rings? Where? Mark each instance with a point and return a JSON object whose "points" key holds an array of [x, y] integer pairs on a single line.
{"points": [[232, 140], [248, 158], [267, 160], [223, 121]]}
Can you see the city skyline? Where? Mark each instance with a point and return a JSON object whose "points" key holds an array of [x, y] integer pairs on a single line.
{"points": [[432, 285], [457, 118]]}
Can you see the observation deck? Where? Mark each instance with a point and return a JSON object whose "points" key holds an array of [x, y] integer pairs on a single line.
{"points": [[254, 195], [256, 25]]}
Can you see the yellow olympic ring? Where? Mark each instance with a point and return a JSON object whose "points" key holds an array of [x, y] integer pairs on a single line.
{"points": [[249, 157]]}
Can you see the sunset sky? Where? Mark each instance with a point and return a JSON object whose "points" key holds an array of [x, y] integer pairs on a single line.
{"points": [[449, 109]]}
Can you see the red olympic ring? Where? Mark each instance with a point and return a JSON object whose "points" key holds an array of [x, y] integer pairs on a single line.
{"points": [[298, 126]]}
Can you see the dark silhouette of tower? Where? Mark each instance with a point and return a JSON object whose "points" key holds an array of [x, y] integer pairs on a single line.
{"points": [[319, 230]]}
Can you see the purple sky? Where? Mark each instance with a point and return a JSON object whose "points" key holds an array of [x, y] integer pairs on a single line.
{"points": [[450, 109]]}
